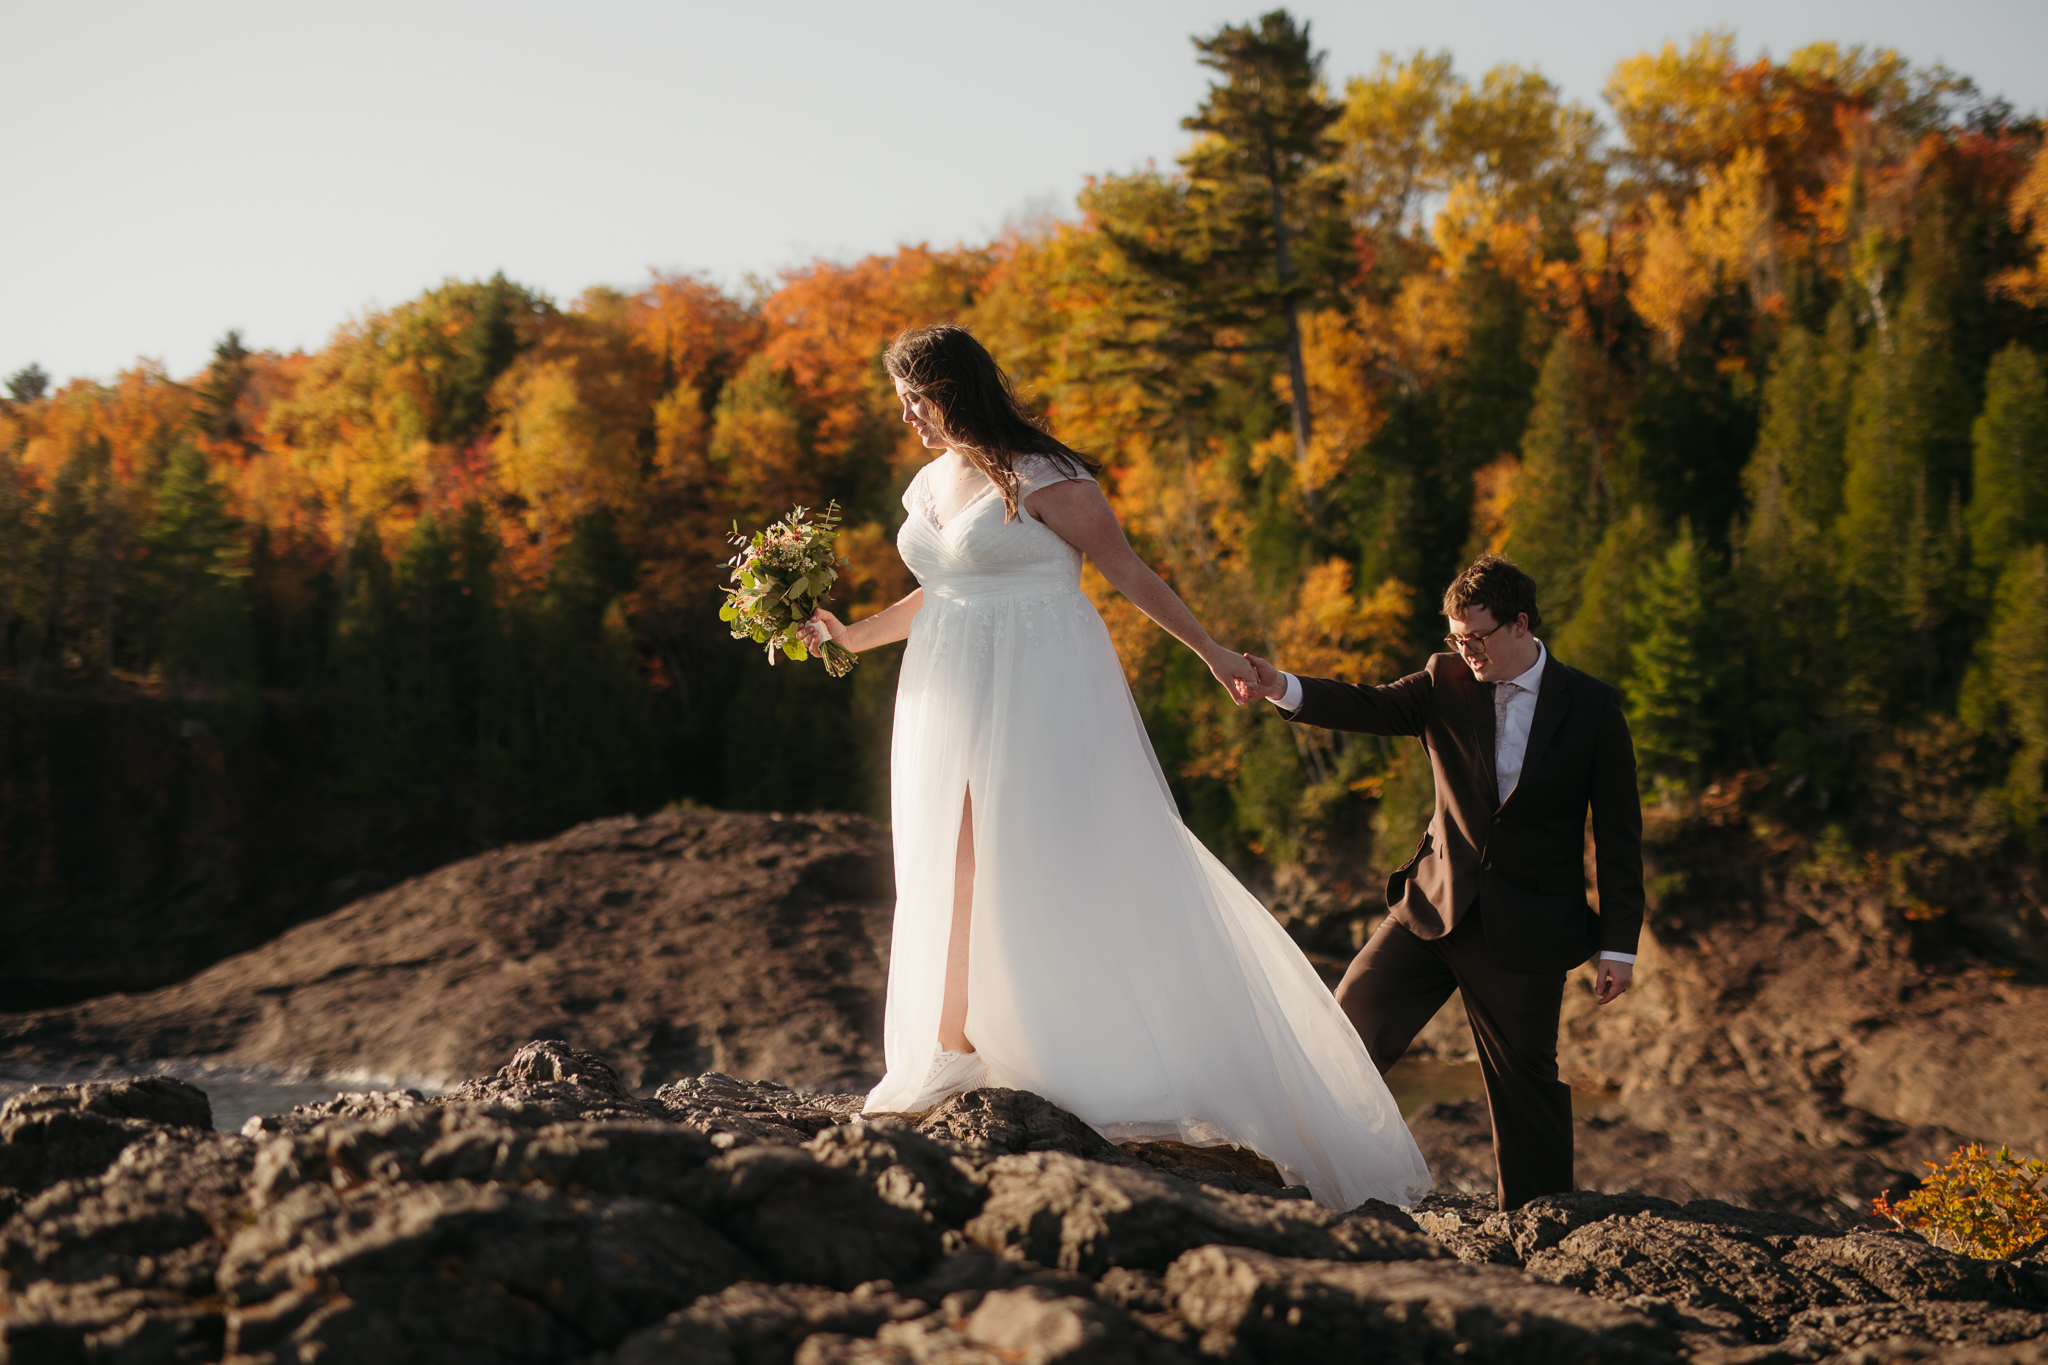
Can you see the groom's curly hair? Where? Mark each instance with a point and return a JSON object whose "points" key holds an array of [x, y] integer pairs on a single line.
{"points": [[1496, 583]]}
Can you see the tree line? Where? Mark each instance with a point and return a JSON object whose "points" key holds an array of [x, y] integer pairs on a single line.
{"points": [[1748, 374]]}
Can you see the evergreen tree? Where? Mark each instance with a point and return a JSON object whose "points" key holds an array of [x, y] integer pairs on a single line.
{"points": [[1793, 481], [197, 567], [2009, 483], [1265, 187], [1562, 494], [1222, 263], [217, 411], [67, 526], [1907, 454], [1900, 536], [1682, 446], [1785, 581], [18, 530], [1600, 637], [2006, 693], [28, 383], [488, 340], [1678, 664]]}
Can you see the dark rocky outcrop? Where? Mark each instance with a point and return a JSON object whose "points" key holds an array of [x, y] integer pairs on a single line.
{"points": [[1786, 1046], [53, 1133], [686, 942], [547, 1213]]}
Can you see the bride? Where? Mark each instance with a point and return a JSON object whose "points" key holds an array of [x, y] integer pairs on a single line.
{"points": [[1058, 929]]}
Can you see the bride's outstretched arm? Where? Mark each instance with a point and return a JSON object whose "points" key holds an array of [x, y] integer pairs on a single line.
{"points": [[885, 627], [1080, 514]]}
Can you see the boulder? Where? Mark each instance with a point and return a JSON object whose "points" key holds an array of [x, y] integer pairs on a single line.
{"points": [[1271, 1308], [1236, 1169], [1030, 1325], [1060, 1210], [1722, 1278], [762, 1324], [428, 1272], [1875, 1266], [66, 1132], [907, 1169], [753, 1111], [122, 1265], [1005, 1122], [812, 1223], [1823, 1331]]}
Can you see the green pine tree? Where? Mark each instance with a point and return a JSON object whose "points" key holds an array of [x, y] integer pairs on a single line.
{"points": [[2006, 693], [2009, 484], [1677, 664], [28, 384], [1793, 481], [1600, 637], [18, 543], [197, 568], [218, 410], [1907, 463], [1562, 495], [1787, 599], [1265, 186]]}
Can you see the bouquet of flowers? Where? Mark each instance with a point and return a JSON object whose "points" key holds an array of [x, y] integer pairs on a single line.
{"points": [[783, 574]]}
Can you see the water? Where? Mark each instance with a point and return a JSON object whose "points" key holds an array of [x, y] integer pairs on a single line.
{"points": [[238, 1093], [1416, 1083]]}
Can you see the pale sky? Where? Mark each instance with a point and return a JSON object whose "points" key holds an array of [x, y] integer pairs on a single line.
{"points": [[176, 170]]}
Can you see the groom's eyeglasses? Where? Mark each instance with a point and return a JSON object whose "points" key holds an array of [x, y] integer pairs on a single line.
{"points": [[1473, 644]]}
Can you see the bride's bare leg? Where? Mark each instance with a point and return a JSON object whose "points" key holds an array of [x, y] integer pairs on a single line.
{"points": [[953, 1013]]}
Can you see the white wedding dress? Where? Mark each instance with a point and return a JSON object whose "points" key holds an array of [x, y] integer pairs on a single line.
{"points": [[1116, 967]]}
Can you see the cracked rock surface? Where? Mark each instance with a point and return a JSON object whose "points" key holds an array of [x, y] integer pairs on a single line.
{"points": [[548, 1213]]}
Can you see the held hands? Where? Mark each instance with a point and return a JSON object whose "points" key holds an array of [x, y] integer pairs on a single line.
{"points": [[1233, 671], [1268, 683], [1610, 979]]}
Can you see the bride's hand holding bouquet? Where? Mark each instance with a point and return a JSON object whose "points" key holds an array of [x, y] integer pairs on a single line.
{"points": [[783, 574]]}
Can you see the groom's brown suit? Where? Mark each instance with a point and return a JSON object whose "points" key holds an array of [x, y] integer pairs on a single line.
{"points": [[1493, 902]]}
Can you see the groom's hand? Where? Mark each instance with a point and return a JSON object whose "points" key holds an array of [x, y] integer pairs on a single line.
{"points": [[1269, 684], [1611, 978]]}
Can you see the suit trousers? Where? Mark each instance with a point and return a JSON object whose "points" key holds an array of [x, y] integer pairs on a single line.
{"points": [[1399, 981]]}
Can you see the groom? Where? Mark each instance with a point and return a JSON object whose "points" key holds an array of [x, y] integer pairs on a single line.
{"points": [[1493, 903]]}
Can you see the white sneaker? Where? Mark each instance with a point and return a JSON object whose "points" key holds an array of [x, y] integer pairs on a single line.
{"points": [[951, 1073]]}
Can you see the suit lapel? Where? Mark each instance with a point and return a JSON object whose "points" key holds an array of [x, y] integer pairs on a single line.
{"points": [[1553, 699]]}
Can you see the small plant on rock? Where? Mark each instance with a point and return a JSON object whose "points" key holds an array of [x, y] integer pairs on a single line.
{"points": [[1980, 1203]]}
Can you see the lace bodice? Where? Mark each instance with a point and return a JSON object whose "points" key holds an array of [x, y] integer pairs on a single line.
{"points": [[977, 551]]}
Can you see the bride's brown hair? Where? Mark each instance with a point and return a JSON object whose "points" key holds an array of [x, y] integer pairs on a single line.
{"points": [[977, 407]]}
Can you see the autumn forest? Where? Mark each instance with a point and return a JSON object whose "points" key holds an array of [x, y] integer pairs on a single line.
{"points": [[1749, 369]]}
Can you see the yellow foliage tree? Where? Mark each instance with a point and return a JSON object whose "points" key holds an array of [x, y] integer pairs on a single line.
{"points": [[2029, 283]]}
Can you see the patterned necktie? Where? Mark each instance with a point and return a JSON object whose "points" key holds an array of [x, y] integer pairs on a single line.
{"points": [[1502, 693]]}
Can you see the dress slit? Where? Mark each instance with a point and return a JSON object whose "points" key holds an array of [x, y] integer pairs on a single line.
{"points": [[960, 933]]}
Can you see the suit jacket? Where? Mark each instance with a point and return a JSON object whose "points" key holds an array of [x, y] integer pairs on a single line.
{"points": [[1523, 861]]}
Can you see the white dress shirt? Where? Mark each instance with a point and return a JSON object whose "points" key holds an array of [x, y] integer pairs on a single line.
{"points": [[1514, 739], [1513, 745]]}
